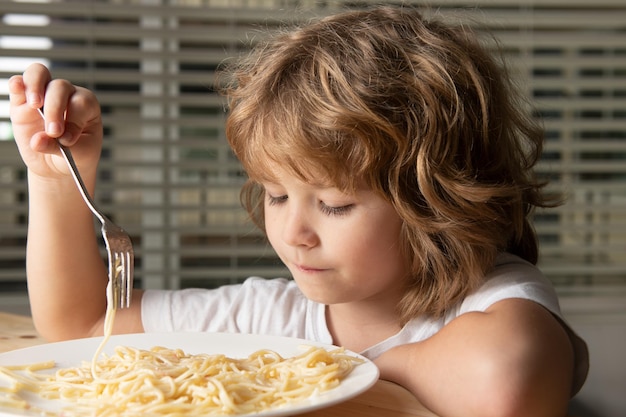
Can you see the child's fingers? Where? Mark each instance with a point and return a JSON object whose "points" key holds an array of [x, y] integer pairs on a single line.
{"points": [[42, 143], [35, 79], [38, 90], [81, 115], [16, 90], [25, 119], [55, 105], [68, 110], [26, 94]]}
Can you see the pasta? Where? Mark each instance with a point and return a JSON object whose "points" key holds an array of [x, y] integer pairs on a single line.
{"points": [[162, 381]]}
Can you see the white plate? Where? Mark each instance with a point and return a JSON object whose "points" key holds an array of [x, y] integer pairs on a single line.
{"points": [[73, 352]]}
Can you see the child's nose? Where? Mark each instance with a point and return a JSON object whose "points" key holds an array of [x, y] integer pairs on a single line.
{"points": [[298, 229]]}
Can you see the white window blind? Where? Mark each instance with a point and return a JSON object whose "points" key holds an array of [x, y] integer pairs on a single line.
{"points": [[168, 177]]}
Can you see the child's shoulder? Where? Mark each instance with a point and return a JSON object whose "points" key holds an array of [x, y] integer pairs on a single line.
{"points": [[512, 277]]}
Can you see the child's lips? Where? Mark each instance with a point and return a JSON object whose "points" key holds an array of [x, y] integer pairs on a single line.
{"points": [[309, 269]]}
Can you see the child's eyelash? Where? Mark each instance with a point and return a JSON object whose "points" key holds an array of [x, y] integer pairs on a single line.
{"points": [[335, 211], [276, 200], [326, 209]]}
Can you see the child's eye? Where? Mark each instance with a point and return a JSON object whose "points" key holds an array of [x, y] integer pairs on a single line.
{"points": [[272, 200], [335, 211]]}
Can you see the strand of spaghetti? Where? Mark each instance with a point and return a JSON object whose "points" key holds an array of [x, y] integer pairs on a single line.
{"points": [[109, 317]]}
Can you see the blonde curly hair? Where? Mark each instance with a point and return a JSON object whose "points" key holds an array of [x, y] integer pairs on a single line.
{"points": [[418, 110]]}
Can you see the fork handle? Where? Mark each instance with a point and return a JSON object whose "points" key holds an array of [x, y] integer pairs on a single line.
{"points": [[67, 155]]}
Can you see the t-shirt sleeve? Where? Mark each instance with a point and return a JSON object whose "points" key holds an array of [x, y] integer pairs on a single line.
{"points": [[513, 277], [258, 306]]}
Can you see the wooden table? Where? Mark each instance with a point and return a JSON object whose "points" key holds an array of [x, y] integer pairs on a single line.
{"points": [[17, 332], [384, 399]]}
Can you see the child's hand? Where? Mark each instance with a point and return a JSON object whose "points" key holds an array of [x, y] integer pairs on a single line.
{"points": [[72, 115]]}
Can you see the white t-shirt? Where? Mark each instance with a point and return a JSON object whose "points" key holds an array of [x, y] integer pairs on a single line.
{"points": [[277, 307]]}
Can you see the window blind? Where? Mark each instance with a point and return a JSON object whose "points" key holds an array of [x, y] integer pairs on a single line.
{"points": [[168, 176]]}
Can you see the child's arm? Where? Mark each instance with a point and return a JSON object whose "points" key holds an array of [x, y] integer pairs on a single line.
{"points": [[515, 359], [66, 273]]}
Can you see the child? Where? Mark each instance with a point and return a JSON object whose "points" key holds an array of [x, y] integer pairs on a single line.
{"points": [[390, 167]]}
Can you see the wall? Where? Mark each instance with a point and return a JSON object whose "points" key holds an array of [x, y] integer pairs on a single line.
{"points": [[601, 321]]}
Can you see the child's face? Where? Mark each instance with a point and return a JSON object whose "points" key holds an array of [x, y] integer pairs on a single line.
{"points": [[339, 247]]}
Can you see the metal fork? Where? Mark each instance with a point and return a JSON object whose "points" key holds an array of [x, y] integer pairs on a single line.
{"points": [[118, 244]]}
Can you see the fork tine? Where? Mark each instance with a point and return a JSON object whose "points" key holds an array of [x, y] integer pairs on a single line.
{"points": [[113, 281], [126, 278], [119, 278]]}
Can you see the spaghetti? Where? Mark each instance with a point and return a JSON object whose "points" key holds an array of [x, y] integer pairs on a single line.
{"points": [[162, 381]]}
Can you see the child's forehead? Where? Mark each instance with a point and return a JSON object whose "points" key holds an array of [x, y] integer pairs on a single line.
{"points": [[309, 173]]}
